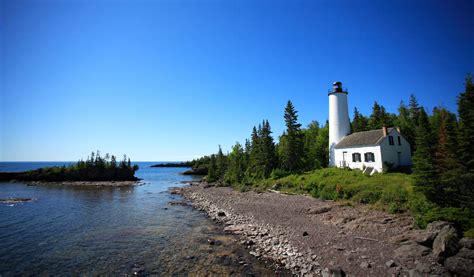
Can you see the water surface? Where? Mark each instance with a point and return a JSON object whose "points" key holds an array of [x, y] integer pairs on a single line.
{"points": [[113, 230]]}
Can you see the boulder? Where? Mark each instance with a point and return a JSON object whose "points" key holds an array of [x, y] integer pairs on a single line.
{"points": [[466, 253], [467, 242], [446, 242], [460, 266], [411, 250], [436, 226], [424, 238]]}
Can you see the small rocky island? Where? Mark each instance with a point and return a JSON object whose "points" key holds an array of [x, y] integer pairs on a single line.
{"points": [[96, 170], [196, 168]]}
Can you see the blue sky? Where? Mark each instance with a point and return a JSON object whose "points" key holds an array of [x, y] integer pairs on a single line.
{"points": [[171, 80]]}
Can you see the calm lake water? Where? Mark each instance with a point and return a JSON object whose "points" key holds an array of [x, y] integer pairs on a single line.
{"points": [[114, 231]]}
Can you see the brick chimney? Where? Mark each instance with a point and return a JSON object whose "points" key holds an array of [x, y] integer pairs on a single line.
{"points": [[384, 129]]}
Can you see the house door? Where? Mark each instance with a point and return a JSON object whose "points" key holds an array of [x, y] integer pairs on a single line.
{"points": [[344, 159]]}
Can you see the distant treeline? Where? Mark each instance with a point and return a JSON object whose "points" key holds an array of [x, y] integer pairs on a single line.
{"points": [[441, 142], [180, 164], [94, 168]]}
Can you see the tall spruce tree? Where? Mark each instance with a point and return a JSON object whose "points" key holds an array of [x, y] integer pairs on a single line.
{"points": [[376, 118], [213, 173], [236, 167], [322, 145], [311, 146], [406, 125], [359, 122], [466, 124], [221, 163], [424, 171], [267, 158], [447, 165], [465, 144], [293, 153]]}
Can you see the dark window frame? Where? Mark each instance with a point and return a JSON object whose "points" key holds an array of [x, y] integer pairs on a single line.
{"points": [[391, 141], [399, 140], [356, 158], [369, 157]]}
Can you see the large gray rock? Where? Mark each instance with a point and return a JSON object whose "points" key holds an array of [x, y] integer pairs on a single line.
{"points": [[446, 242], [467, 242], [466, 253], [436, 226], [425, 238], [460, 266], [411, 250]]}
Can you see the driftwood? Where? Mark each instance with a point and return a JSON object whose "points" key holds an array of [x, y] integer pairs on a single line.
{"points": [[369, 239]]}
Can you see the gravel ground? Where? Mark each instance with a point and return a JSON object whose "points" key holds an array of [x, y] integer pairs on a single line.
{"points": [[311, 237]]}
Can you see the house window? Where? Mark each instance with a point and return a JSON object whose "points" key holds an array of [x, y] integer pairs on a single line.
{"points": [[356, 157], [390, 140], [369, 157], [399, 141]]}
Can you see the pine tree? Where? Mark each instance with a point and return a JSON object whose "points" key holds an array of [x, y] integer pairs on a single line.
{"points": [[466, 124], [221, 163], [212, 174], [465, 143], [446, 162], [267, 158], [406, 125], [292, 159], [311, 146], [414, 110], [236, 168], [376, 118], [424, 171], [322, 145], [359, 122]]}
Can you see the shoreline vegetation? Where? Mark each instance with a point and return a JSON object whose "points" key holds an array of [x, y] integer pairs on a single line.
{"points": [[439, 186], [94, 170]]}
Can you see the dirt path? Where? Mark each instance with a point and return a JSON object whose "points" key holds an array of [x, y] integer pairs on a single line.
{"points": [[309, 235]]}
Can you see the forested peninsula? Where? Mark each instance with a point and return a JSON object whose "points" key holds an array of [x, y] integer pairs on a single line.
{"points": [[94, 169], [439, 186]]}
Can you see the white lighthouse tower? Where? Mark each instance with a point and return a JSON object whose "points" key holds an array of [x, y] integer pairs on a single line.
{"points": [[339, 123]]}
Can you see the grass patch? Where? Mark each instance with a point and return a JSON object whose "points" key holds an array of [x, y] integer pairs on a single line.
{"points": [[391, 192]]}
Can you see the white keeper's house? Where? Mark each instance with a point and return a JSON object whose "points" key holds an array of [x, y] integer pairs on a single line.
{"points": [[371, 151]]}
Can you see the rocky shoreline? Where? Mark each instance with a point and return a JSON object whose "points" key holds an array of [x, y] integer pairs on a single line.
{"points": [[312, 237]]}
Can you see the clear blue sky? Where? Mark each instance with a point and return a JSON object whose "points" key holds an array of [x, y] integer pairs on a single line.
{"points": [[171, 80]]}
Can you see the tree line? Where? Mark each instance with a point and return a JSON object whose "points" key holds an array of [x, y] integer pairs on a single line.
{"points": [[94, 168], [441, 144]]}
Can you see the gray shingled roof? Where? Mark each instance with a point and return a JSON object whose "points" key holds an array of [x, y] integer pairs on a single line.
{"points": [[373, 137]]}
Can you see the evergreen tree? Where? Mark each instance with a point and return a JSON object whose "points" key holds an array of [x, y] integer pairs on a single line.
{"points": [[414, 110], [423, 160], [221, 163], [267, 158], [376, 118], [446, 162], [359, 122], [311, 146], [254, 170], [406, 125], [236, 168], [293, 153], [213, 173], [322, 148], [465, 144], [466, 125]]}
